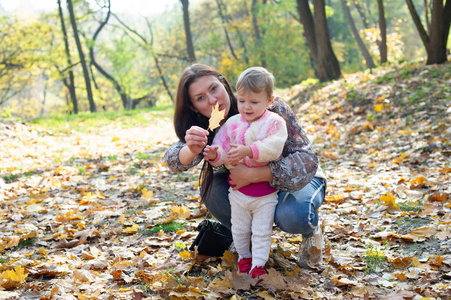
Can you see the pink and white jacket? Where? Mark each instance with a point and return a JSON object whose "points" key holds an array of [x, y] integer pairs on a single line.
{"points": [[266, 137]]}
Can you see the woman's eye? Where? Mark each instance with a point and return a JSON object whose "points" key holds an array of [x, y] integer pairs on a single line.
{"points": [[200, 98]]}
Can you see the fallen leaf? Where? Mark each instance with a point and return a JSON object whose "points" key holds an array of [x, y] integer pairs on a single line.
{"points": [[11, 279]]}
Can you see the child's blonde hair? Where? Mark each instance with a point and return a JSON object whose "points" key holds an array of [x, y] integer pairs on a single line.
{"points": [[256, 80]]}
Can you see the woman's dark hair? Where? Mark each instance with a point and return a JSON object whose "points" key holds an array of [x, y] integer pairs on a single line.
{"points": [[185, 116]]}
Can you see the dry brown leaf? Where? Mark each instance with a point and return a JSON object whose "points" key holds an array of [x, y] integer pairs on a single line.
{"points": [[402, 263], [273, 280], [85, 275]]}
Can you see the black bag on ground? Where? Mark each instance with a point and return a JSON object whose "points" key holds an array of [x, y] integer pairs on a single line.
{"points": [[213, 239]]}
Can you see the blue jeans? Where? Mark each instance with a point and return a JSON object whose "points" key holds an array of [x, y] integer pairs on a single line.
{"points": [[295, 213]]}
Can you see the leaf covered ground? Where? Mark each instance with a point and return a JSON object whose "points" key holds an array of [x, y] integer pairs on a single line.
{"points": [[91, 212]]}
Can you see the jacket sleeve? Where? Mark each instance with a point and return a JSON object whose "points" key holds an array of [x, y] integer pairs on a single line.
{"points": [[298, 164], [171, 158]]}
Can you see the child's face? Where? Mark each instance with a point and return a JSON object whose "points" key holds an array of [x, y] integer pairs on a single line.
{"points": [[252, 105]]}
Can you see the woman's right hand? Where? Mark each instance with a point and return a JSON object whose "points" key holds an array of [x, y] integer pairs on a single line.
{"points": [[196, 139]]}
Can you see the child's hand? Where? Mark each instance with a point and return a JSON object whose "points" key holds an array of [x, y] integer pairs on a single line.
{"points": [[210, 152], [237, 153]]}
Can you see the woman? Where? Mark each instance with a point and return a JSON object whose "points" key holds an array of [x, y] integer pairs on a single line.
{"points": [[297, 176]]}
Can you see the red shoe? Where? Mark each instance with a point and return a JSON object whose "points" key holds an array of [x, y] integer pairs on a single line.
{"points": [[257, 272], [245, 265]]}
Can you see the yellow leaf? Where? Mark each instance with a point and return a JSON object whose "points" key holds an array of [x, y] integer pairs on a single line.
{"points": [[43, 251], [446, 169], [336, 198], [420, 181], [132, 229], [185, 254], [11, 279], [216, 117], [389, 200], [379, 107], [147, 194]]}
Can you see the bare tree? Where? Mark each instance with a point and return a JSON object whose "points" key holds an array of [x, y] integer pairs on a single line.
{"points": [[436, 38], [71, 83], [318, 40], [383, 28], [226, 20], [92, 106], [226, 32], [189, 39], [148, 46], [124, 97], [258, 38], [366, 54]]}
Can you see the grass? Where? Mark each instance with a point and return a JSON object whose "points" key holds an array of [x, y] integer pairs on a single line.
{"points": [[87, 122], [374, 259], [27, 242], [168, 227], [415, 206]]}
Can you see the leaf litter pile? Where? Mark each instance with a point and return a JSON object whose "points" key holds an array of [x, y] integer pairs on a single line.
{"points": [[96, 214]]}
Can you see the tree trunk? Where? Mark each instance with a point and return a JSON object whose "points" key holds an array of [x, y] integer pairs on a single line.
{"points": [[189, 40], [365, 22], [117, 86], [71, 83], [258, 38], [438, 45], [435, 43], [366, 54], [221, 14], [383, 28], [92, 106], [328, 66], [147, 46], [306, 19]]}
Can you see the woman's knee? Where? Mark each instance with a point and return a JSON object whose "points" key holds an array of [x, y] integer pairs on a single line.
{"points": [[298, 212], [295, 216]]}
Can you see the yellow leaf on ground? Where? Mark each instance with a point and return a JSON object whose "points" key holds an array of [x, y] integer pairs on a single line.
{"points": [[216, 117], [379, 107], [420, 181], [185, 254], [389, 200], [11, 279], [132, 229], [147, 194]]}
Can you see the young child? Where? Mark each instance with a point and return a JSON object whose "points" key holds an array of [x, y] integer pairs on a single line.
{"points": [[254, 137]]}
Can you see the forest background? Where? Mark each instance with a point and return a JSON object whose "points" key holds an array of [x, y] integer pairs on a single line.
{"points": [[86, 56]]}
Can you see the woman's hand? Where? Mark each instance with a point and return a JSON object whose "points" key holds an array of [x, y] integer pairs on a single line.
{"points": [[196, 139], [240, 175]]}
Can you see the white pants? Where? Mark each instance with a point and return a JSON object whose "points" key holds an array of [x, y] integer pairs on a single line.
{"points": [[252, 215]]}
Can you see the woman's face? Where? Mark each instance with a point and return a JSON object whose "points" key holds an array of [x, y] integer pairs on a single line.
{"points": [[205, 92]]}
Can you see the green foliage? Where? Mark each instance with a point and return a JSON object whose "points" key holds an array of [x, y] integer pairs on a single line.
{"points": [[374, 259], [26, 242], [169, 227], [36, 59]]}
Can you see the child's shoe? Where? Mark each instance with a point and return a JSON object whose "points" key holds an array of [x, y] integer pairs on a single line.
{"points": [[245, 265], [257, 272]]}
